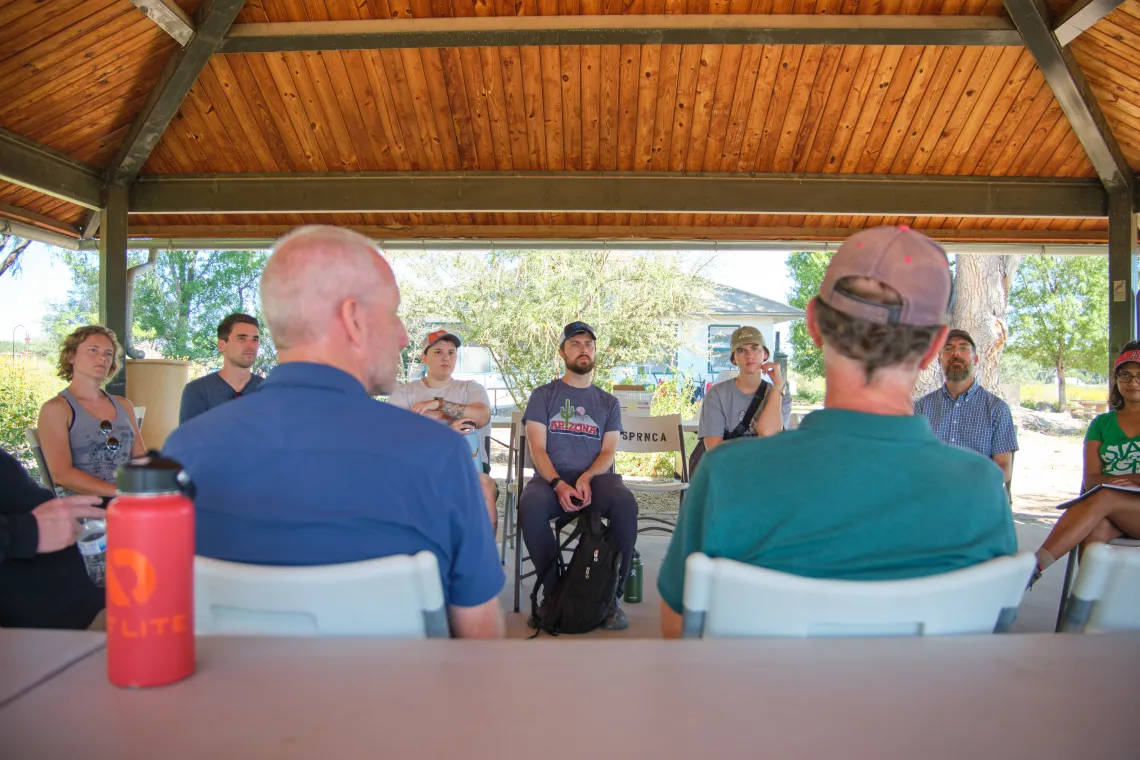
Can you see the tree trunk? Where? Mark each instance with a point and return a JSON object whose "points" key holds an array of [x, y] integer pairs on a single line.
{"points": [[12, 259], [1062, 402], [981, 286]]}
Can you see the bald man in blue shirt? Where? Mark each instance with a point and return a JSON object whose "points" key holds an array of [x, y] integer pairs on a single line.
{"points": [[312, 470]]}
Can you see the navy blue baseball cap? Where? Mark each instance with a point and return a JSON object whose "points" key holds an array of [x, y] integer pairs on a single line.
{"points": [[576, 328]]}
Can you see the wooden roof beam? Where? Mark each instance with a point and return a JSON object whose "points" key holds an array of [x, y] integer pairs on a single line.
{"points": [[40, 168], [498, 31], [24, 215], [1068, 83], [214, 20], [617, 192], [170, 17], [1081, 16]]}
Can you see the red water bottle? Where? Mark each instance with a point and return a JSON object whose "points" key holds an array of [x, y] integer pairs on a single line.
{"points": [[150, 574]]}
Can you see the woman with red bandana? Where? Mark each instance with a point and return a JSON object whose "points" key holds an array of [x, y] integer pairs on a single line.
{"points": [[1112, 456]]}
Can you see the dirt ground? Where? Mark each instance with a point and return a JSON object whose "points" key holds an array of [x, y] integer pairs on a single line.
{"points": [[1047, 471]]}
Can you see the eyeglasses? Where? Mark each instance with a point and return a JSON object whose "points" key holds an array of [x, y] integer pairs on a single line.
{"points": [[106, 428], [948, 350], [1127, 377]]}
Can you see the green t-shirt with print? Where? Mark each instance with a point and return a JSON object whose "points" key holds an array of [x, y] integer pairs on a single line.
{"points": [[1119, 454]]}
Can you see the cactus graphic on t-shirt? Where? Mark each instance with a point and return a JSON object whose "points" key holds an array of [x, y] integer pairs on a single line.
{"points": [[571, 421]]}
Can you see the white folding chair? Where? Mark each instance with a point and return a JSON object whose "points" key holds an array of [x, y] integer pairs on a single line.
{"points": [[728, 599], [390, 597], [1071, 567], [653, 435], [1106, 596], [33, 436]]}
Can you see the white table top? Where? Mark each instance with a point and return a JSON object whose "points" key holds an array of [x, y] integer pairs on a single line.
{"points": [[29, 656], [1033, 696]]}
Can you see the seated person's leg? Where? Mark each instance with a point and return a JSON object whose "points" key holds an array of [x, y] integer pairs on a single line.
{"points": [[1101, 534], [537, 507], [618, 504], [491, 496]]}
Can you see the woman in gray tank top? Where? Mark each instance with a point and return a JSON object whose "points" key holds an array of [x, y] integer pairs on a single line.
{"points": [[86, 433]]}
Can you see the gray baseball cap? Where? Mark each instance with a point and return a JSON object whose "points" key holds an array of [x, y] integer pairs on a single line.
{"points": [[906, 260]]}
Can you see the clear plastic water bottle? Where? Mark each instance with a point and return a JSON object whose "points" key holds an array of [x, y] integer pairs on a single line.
{"points": [[92, 543]]}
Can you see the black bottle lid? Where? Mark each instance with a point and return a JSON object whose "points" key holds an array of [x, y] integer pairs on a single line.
{"points": [[151, 474]]}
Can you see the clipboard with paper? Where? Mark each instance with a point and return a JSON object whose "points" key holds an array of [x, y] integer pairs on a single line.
{"points": [[1108, 486]]}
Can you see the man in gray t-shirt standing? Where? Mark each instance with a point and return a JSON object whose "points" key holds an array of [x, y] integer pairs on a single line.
{"points": [[572, 428]]}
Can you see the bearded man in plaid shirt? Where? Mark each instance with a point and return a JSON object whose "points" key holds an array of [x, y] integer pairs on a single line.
{"points": [[963, 413]]}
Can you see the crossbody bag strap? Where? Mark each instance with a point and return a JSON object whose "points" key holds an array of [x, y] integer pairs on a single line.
{"points": [[750, 414]]}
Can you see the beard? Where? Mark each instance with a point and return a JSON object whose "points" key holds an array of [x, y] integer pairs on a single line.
{"points": [[956, 372], [577, 366]]}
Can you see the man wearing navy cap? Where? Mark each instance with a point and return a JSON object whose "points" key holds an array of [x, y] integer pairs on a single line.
{"points": [[572, 428]]}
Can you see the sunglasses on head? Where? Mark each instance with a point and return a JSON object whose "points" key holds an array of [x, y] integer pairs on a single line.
{"points": [[106, 428]]}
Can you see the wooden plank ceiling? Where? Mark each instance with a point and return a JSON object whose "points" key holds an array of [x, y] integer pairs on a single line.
{"points": [[75, 73]]}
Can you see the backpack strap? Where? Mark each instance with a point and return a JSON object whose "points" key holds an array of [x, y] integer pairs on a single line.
{"points": [[750, 414]]}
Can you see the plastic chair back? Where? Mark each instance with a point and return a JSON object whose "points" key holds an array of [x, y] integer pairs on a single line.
{"points": [[33, 436], [728, 599], [391, 597]]}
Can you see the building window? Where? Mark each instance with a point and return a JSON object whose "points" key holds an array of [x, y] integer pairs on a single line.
{"points": [[720, 350]]}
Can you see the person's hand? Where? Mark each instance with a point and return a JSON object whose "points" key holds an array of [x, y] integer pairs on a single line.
{"points": [[424, 407], [564, 492], [58, 520], [583, 489], [463, 425], [1124, 482], [772, 370]]}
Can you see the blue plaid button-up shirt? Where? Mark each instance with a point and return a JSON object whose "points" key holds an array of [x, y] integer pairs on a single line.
{"points": [[976, 420]]}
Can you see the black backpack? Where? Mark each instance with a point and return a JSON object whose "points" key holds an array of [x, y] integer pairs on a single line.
{"points": [[586, 589]]}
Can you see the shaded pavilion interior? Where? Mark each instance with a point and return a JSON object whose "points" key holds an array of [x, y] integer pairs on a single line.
{"points": [[174, 123]]}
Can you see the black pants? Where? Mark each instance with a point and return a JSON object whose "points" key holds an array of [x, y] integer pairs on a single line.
{"points": [[538, 506]]}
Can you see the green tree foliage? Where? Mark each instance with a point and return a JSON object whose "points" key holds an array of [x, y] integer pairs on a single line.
{"points": [[25, 384], [177, 304], [805, 268], [516, 303], [1060, 314]]}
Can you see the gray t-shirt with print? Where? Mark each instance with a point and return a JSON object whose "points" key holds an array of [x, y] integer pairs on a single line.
{"points": [[575, 420], [724, 407]]}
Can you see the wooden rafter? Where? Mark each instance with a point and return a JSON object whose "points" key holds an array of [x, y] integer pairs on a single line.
{"points": [[214, 20], [1072, 91], [500, 31], [615, 192], [170, 17]]}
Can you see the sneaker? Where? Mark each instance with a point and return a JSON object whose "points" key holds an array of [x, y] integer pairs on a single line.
{"points": [[615, 618]]}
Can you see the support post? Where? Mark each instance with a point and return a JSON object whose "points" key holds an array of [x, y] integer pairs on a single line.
{"points": [[1122, 251], [113, 275]]}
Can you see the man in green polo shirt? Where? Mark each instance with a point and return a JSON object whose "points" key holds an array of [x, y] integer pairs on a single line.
{"points": [[862, 490]]}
